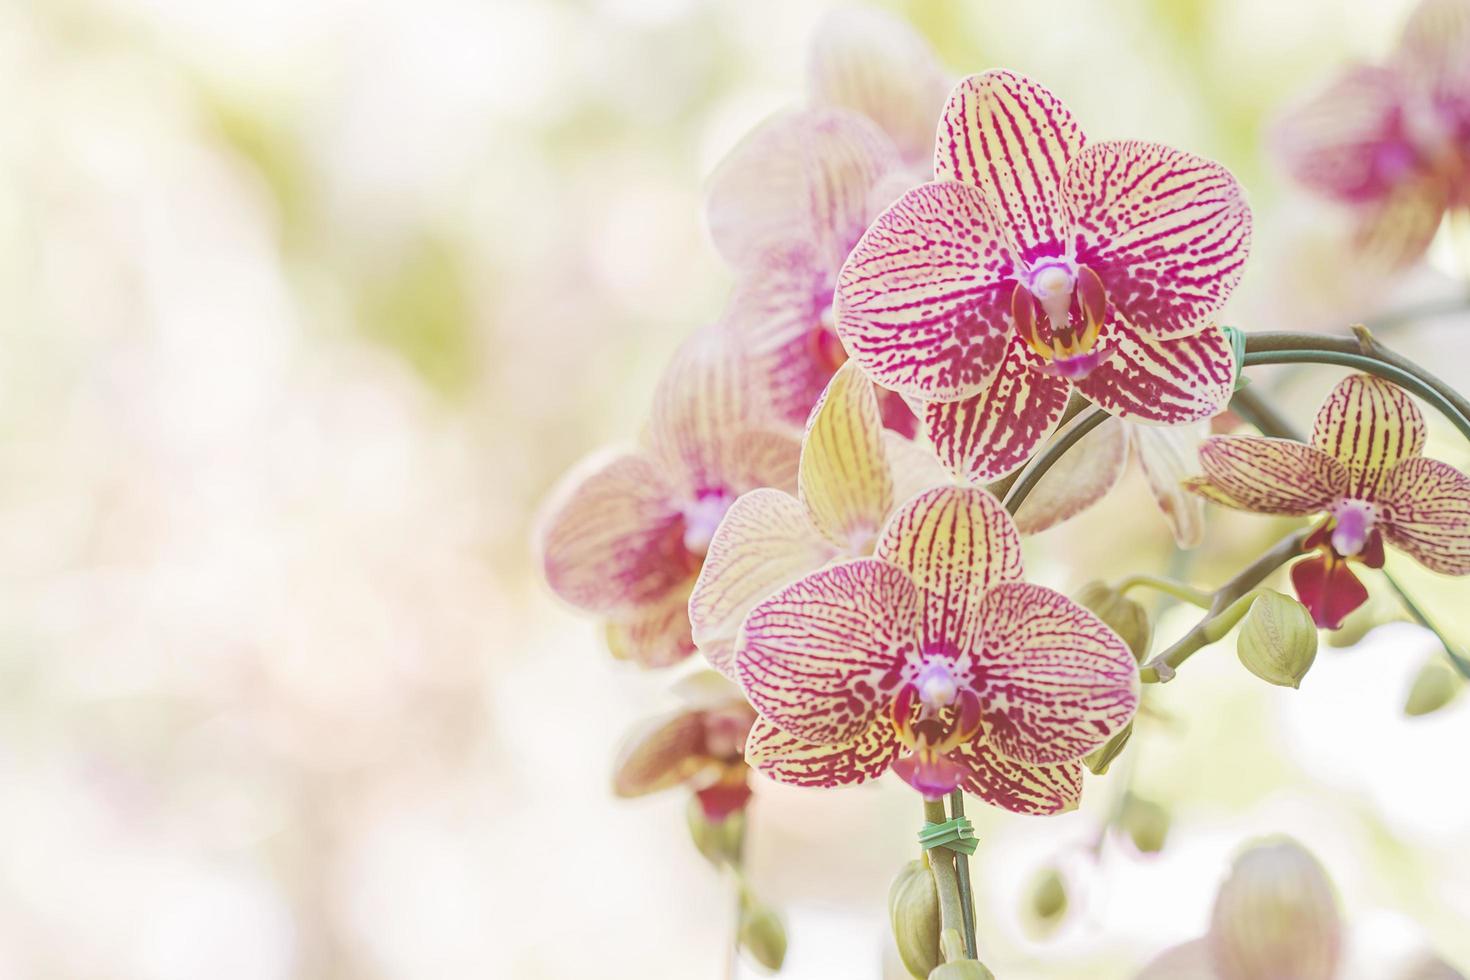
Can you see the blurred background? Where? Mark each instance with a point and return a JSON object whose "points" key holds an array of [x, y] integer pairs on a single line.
{"points": [[306, 305]]}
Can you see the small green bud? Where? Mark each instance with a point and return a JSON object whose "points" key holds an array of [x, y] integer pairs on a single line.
{"points": [[961, 970], [1276, 916], [913, 912], [1098, 760], [717, 840], [1127, 618], [1145, 822], [1278, 640], [1435, 686], [762, 935], [1047, 900]]}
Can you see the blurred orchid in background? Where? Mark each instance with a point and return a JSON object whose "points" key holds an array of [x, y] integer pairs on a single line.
{"points": [[626, 535], [1035, 264], [1392, 140], [934, 658], [1365, 467]]}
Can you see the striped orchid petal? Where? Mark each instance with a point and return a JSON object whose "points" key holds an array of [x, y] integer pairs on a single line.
{"points": [[1056, 681], [776, 315], [1078, 480], [1013, 139], [791, 760], [845, 480], [922, 299], [1167, 382], [1432, 50], [1397, 231], [993, 432], [1349, 142], [765, 541], [1168, 456], [1368, 425], [662, 754], [656, 635], [803, 175], [1269, 476], [613, 542], [1019, 787], [820, 657], [1427, 514], [874, 63], [1167, 232], [954, 542]]}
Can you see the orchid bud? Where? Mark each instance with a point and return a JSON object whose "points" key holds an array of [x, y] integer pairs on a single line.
{"points": [[1278, 640], [1434, 686], [717, 840], [1126, 618], [1098, 760], [762, 935], [961, 970], [1145, 822], [913, 911], [1276, 916], [1047, 901]]}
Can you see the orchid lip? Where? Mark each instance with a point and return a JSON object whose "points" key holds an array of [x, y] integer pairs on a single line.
{"points": [[702, 517], [1353, 522]]}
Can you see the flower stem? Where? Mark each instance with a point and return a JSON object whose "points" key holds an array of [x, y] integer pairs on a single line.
{"points": [[951, 906], [962, 866], [1178, 590], [1045, 459], [1227, 604]]}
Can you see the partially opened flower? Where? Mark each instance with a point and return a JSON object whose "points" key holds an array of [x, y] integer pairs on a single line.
{"points": [[1036, 264], [934, 658], [626, 534], [851, 474], [1365, 470], [873, 63], [1392, 141], [784, 209], [701, 747], [1082, 477]]}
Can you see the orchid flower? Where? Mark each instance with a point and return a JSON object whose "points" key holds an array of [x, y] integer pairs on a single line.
{"points": [[1392, 141], [1035, 264], [851, 474], [1082, 477], [700, 747], [784, 209], [935, 659], [1365, 469], [626, 534]]}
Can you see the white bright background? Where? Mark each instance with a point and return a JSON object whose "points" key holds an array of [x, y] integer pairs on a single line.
{"points": [[306, 305]]}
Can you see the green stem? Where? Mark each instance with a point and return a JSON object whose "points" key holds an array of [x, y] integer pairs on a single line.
{"points": [[1044, 460], [1231, 599], [951, 906], [1180, 591], [962, 867]]}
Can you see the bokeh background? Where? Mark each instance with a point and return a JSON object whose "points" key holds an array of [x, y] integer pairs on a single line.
{"points": [[307, 304]]}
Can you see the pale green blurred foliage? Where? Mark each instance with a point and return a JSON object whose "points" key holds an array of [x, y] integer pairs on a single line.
{"points": [[308, 304]]}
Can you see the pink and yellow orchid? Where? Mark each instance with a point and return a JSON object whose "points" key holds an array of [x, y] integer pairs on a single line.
{"points": [[852, 472], [1164, 455], [701, 747], [935, 659], [1392, 141], [1035, 264], [626, 535], [1366, 470]]}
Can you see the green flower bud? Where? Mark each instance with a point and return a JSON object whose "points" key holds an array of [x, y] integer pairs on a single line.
{"points": [[913, 911], [1276, 916], [961, 970], [1278, 640], [717, 840], [1098, 760], [1434, 686], [1047, 900], [1127, 618], [762, 935], [1145, 822]]}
